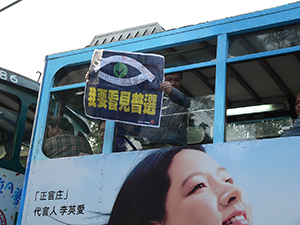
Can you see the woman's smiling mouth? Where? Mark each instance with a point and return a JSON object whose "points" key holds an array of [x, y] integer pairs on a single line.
{"points": [[237, 218]]}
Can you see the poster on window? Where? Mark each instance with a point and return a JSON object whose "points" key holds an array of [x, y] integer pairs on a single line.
{"points": [[124, 87]]}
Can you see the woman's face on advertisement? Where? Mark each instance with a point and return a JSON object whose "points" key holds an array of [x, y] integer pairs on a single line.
{"points": [[203, 193]]}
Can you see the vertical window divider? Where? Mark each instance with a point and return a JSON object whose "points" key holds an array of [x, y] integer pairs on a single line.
{"points": [[108, 137], [220, 88]]}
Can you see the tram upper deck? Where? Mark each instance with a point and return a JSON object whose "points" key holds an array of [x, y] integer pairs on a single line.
{"points": [[242, 70], [241, 75]]}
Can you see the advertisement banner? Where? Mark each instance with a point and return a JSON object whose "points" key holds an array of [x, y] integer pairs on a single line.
{"points": [[254, 183], [10, 194], [124, 87]]}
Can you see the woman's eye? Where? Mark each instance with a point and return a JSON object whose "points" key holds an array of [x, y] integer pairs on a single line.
{"points": [[198, 186], [229, 180]]}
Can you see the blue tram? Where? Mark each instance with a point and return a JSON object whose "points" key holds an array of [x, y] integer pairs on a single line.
{"points": [[241, 75], [18, 99]]}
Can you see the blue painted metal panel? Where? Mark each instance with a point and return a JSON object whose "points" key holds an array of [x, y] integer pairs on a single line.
{"points": [[108, 137], [190, 67], [38, 135], [264, 54], [67, 87], [220, 87]]}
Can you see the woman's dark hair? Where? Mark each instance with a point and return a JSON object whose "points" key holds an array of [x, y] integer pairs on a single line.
{"points": [[142, 197]]}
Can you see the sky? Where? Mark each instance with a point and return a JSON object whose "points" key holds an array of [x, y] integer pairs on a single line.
{"points": [[32, 29]]}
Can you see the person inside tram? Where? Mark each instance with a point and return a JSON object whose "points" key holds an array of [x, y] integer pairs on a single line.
{"points": [[296, 127], [173, 124], [180, 185], [61, 142]]}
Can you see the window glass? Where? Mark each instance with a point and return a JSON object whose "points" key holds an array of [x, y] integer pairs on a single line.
{"points": [[266, 40], [252, 130], [27, 134], [24, 154], [9, 111], [189, 53], [260, 97], [77, 134], [180, 124], [71, 75], [188, 122]]}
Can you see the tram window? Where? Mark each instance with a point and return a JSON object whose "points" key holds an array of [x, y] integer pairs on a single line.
{"points": [[69, 105], [24, 154], [71, 75], [2, 147], [189, 53], [27, 135], [179, 126], [197, 119], [261, 95], [9, 111], [266, 40]]}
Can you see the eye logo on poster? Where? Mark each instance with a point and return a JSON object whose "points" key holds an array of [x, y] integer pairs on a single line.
{"points": [[120, 70], [124, 86]]}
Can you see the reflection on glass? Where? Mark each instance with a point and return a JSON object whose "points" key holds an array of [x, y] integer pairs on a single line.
{"points": [[9, 111], [267, 40], [95, 138], [201, 120], [27, 134], [193, 125], [70, 75], [24, 154], [256, 130], [189, 53], [196, 122]]}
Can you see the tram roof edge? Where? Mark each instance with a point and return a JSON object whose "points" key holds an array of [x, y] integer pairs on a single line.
{"points": [[233, 19]]}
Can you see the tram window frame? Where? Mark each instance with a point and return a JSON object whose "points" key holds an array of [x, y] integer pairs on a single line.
{"points": [[13, 107], [67, 103], [206, 71], [274, 39], [70, 75], [201, 51], [80, 69], [268, 123], [24, 151], [204, 128]]}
